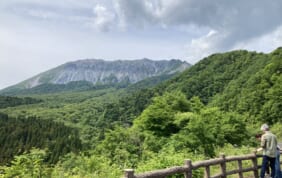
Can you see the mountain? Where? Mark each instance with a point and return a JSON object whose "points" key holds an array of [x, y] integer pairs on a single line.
{"points": [[216, 105], [84, 74], [238, 81]]}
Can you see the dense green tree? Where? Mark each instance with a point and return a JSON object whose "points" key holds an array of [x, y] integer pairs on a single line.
{"points": [[158, 118], [19, 135], [28, 165], [123, 146], [9, 101], [208, 129]]}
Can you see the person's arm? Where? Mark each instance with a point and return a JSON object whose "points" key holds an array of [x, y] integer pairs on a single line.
{"points": [[263, 142]]}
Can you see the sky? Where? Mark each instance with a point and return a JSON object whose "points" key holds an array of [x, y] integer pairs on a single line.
{"points": [[37, 35]]}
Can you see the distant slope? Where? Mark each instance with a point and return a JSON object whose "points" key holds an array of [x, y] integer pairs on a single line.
{"points": [[84, 74], [257, 90], [8, 101], [213, 74], [249, 83], [150, 82], [19, 135], [49, 88]]}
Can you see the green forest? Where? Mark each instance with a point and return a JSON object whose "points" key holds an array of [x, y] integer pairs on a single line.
{"points": [[215, 106]]}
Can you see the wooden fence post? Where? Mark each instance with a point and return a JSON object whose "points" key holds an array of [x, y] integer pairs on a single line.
{"points": [[240, 168], [207, 172], [255, 165], [223, 166], [188, 164], [129, 173]]}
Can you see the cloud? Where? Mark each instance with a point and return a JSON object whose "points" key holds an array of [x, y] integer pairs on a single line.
{"points": [[265, 43], [63, 4], [43, 14], [237, 21], [70, 12], [86, 13], [201, 47], [234, 22], [135, 13], [104, 19]]}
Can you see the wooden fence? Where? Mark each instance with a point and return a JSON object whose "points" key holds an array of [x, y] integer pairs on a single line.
{"points": [[189, 167]]}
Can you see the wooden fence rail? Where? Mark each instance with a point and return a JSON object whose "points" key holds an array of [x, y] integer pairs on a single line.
{"points": [[189, 167]]}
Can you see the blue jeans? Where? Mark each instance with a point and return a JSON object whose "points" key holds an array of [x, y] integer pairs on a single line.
{"points": [[265, 160], [277, 166]]}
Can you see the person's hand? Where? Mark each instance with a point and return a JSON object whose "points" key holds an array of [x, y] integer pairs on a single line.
{"points": [[259, 149]]}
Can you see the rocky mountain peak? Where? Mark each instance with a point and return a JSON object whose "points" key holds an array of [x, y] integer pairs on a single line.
{"points": [[99, 71]]}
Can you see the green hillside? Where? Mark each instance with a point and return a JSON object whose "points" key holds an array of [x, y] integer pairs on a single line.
{"points": [[215, 106], [245, 82], [8, 101], [21, 134]]}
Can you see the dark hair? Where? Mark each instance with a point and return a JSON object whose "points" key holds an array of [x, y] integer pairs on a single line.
{"points": [[258, 135]]}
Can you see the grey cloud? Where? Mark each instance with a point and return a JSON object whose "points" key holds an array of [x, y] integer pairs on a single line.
{"points": [[47, 3], [230, 22], [256, 15], [63, 11], [234, 21], [134, 12]]}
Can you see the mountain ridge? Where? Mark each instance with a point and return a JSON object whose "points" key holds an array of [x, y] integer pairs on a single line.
{"points": [[101, 72]]}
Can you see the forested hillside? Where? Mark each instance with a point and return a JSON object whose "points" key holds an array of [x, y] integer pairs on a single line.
{"points": [[8, 101], [215, 106], [245, 82], [21, 134]]}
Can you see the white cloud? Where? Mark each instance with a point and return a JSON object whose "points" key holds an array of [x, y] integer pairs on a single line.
{"points": [[43, 14], [203, 46], [104, 19]]}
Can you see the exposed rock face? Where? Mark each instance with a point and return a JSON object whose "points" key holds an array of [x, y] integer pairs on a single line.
{"points": [[104, 72]]}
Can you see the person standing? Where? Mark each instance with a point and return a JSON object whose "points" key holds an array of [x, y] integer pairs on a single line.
{"points": [[269, 147], [278, 173]]}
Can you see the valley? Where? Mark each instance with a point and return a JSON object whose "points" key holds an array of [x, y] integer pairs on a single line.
{"points": [[216, 105]]}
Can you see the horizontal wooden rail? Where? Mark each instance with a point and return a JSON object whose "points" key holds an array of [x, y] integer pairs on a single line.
{"points": [[163, 173], [187, 169]]}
